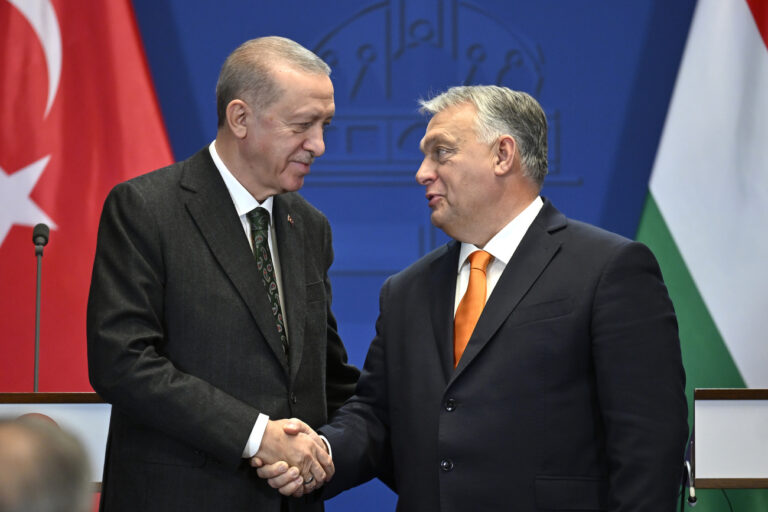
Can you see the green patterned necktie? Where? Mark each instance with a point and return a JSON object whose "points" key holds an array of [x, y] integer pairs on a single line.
{"points": [[259, 220]]}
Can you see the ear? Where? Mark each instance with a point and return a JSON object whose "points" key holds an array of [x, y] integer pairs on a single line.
{"points": [[504, 159], [237, 115]]}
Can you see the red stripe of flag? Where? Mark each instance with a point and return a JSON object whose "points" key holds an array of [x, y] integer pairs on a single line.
{"points": [[759, 10]]}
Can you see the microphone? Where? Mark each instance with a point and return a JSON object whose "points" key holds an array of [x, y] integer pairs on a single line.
{"points": [[691, 491], [40, 235]]}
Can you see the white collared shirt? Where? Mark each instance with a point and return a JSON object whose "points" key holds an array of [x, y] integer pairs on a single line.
{"points": [[502, 246]]}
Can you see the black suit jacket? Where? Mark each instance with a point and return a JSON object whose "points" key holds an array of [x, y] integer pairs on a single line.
{"points": [[569, 396], [182, 342]]}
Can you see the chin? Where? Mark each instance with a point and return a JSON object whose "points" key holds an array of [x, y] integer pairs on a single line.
{"points": [[437, 221], [443, 224], [295, 185]]}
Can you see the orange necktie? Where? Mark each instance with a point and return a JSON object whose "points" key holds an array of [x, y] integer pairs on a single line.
{"points": [[471, 304]]}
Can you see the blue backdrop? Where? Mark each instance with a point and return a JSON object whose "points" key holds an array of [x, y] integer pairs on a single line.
{"points": [[603, 71]]}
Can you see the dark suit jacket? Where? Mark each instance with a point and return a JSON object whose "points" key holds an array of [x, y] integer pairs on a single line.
{"points": [[182, 342], [569, 396]]}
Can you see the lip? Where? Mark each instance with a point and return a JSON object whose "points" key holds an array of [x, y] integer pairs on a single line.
{"points": [[433, 198], [302, 165]]}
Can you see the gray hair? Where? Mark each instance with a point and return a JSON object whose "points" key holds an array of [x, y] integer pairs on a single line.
{"points": [[502, 111], [44, 468], [247, 71]]}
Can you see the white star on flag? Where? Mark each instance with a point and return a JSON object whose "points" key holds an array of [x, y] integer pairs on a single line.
{"points": [[16, 207]]}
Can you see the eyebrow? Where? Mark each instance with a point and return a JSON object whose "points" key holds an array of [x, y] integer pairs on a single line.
{"points": [[305, 117], [430, 140]]}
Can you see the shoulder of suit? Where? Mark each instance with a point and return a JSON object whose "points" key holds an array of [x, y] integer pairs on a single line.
{"points": [[157, 184], [568, 229], [596, 244], [589, 233], [167, 175]]}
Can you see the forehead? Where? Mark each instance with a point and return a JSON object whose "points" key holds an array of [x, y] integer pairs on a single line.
{"points": [[456, 123], [299, 87]]}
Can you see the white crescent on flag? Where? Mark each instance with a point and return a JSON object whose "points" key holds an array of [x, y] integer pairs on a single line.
{"points": [[42, 17]]}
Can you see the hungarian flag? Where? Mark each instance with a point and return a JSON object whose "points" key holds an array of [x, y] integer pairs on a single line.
{"points": [[78, 114], [706, 217]]}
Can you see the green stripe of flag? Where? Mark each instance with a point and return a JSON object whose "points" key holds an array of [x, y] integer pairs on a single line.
{"points": [[707, 361]]}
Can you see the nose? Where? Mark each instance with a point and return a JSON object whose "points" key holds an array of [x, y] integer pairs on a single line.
{"points": [[426, 172], [315, 143]]}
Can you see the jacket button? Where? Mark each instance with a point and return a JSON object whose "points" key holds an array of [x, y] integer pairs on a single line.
{"points": [[293, 398], [450, 405], [446, 465]]}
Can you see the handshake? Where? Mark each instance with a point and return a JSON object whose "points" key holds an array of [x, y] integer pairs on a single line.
{"points": [[293, 458]]}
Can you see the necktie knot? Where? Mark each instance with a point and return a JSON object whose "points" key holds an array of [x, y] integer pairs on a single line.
{"points": [[259, 218], [479, 260]]}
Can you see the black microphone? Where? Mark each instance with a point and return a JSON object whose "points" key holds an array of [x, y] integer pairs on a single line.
{"points": [[40, 237]]}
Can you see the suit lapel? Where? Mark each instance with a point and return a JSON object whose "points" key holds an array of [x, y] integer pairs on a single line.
{"points": [[290, 246], [213, 212], [442, 290], [536, 250]]}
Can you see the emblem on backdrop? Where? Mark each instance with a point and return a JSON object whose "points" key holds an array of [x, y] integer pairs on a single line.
{"points": [[390, 53]]}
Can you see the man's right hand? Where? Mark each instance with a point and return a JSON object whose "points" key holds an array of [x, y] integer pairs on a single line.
{"points": [[288, 478], [296, 458]]}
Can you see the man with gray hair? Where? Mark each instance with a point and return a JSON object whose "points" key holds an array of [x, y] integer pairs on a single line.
{"points": [[209, 316], [533, 363], [42, 468]]}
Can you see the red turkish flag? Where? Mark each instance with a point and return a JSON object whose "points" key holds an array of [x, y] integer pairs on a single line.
{"points": [[78, 114]]}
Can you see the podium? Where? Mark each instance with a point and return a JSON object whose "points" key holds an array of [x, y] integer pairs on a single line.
{"points": [[730, 445], [84, 415]]}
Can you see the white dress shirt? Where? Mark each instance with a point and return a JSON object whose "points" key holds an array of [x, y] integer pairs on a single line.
{"points": [[502, 246]]}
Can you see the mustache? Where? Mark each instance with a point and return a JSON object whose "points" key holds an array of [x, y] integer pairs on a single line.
{"points": [[304, 158]]}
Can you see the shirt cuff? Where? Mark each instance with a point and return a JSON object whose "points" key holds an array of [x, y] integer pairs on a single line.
{"points": [[257, 434], [327, 445]]}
